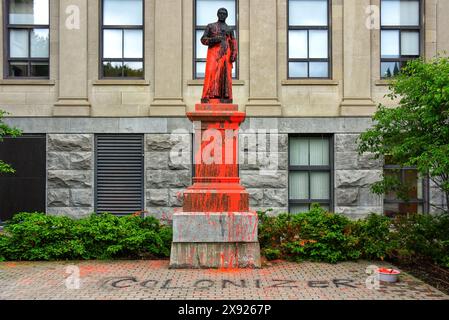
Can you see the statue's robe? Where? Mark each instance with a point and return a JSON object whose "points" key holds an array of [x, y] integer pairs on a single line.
{"points": [[218, 77]]}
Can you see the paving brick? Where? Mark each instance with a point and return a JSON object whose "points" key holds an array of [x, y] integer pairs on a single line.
{"points": [[152, 280]]}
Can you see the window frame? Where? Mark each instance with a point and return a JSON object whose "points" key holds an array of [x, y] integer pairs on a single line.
{"points": [[402, 58], [309, 169], [308, 60], [196, 28], [7, 26], [425, 185], [102, 27]]}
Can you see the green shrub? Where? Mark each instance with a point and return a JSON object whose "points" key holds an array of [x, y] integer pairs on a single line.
{"points": [[316, 235], [374, 236], [37, 236], [422, 237], [321, 236]]}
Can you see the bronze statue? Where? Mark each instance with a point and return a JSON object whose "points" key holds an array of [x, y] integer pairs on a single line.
{"points": [[221, 55]]}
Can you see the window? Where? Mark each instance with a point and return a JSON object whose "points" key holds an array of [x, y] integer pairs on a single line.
{"points": [[205, 13], [400, 34], [308, 39], [28, 38], [310, 178], [411, 196], [122, 39], [119, 174]]}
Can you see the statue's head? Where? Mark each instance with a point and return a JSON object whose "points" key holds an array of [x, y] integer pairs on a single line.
{"points": [[222, 14]]}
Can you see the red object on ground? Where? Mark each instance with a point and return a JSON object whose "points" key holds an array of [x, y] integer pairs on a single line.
{"points": [[389, 271], [216, 185]]}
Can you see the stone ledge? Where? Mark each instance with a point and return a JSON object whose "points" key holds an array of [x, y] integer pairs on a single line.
{"points": [[27, 82], [200, 82], [120, 83], [310, 82]]}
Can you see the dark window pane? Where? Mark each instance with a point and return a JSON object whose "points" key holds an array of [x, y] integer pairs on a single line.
{"points": [[18, 44], [123, 12], [18, 69], [298, 69], [400, 12], [389, 69], [112, 69], [133, 69], [299, 208], [390, 44], [318, 70], [308, 12], [29, 12], [206, 11], [40, 39], [318, 47], [39, 69], [133, 44], [113, 43], [200, 69], [410, 43]]}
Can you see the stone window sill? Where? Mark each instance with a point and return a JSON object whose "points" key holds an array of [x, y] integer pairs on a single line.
{"points": [[121, 83], [382, 83], [200, 82], [310, 82], [26, 82]]}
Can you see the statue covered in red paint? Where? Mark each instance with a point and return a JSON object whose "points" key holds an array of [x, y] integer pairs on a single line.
{"points": [[222, 53]]}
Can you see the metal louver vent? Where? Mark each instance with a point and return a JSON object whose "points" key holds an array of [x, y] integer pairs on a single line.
{"points": [[119, 175]]}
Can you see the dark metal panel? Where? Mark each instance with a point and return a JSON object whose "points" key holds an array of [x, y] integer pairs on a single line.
{"points": [[23, 191], [119, 174]]}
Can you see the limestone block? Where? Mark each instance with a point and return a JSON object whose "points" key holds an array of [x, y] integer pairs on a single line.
{"points": [[168, 179], [275, 197], [347, 196], [346, 142], [254, 179], [161, 142], [69, 179], [180, 161], [255, 197], [357, 213], [156, 160], [58, 161], [81, 160], [70, 142], [357, 178], [81, 198], [175, 197], [75, 213], [58, 197], [157, 198]]}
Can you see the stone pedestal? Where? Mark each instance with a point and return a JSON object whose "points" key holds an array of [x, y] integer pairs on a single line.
{"points": [[216, 228]]}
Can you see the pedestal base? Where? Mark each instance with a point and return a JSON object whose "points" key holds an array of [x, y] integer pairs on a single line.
{"points": [[215, 255], [215, 240]]}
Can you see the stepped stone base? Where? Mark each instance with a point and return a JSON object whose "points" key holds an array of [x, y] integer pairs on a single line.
{"points": [[215, 240], [215, 255]]}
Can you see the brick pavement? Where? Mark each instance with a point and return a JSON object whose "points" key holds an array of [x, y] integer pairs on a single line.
{"points": [[134, 280]]}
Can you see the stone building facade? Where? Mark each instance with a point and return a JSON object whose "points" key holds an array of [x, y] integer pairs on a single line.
{"points": [[75, 102]]}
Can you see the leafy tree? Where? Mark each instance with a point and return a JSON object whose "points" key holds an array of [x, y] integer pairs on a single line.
{"points": [[416, 132], [5, 130]]}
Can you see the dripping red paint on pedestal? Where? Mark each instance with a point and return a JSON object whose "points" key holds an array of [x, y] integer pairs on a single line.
{"points": [[216, 228]]}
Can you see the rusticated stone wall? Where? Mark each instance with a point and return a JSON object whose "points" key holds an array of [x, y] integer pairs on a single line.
{"points": [[266, 181], [354, 176], [167, 175], [70, 179]]}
